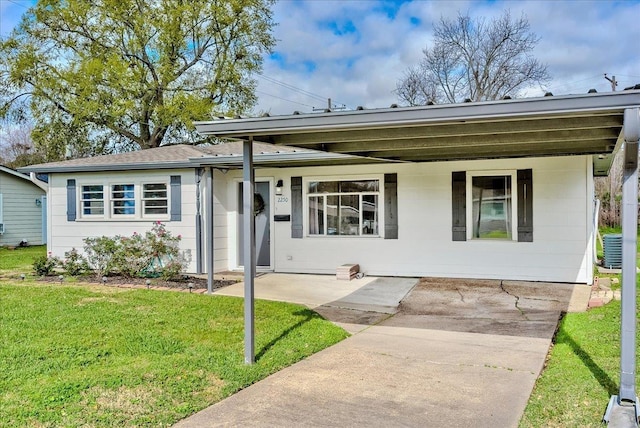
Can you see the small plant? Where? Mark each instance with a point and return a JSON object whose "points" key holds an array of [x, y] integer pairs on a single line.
{"points": [[132, 255], [74, 263], [45, 265], [154, 254], [100, 253]]}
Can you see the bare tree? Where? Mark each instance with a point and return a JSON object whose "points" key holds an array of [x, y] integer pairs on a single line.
{"points": [[474, 59], [609, 190], [16, 147], [415, 90]]}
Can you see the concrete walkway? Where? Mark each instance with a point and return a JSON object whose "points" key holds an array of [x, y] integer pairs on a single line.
{"points": [[405, 370]]}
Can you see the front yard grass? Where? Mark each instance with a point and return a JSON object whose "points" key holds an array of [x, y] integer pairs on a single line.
{"points": [[582, 371], [19, 260], [81, 355]]}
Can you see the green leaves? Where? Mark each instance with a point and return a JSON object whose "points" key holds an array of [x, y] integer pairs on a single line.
{"points": [[134, 72]]}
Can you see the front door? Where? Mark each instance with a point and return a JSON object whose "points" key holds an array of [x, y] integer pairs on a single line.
{"points": [[262, 202]]}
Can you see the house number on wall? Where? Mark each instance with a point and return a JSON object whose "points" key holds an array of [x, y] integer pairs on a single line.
{"points": [[282, 199]]}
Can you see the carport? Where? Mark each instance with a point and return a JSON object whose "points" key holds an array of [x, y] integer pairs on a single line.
{"points": [[591, 124]]}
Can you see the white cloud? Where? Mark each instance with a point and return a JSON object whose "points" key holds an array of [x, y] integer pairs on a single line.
{"points": [[580, 41]]}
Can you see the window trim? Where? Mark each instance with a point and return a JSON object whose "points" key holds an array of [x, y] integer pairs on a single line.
{"points": [[112, 200], [167, 197], [513, 173], [82, 215], [107, 188], [380, 193]]}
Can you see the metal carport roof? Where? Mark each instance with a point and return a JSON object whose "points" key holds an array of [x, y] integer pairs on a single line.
{"points": [[587, 124]]}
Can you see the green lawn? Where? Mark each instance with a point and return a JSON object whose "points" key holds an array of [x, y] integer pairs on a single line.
{"points": [[583, 370], [81, 355], [19, 260]]}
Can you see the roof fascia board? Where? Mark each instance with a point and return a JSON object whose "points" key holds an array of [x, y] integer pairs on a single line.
{"points": [[212, 160], [407, 116], [15, 173], [108, 167], [265, 158]]}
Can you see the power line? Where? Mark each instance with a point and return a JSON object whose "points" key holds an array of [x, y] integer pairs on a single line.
{"points": [[17, 4], [313, 95], [293, 88], [283, 99], [570, 84]]}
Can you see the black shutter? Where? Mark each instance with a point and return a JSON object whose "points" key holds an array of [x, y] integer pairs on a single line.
{"points": [[391, 206], [176, 198], [71, 200], [459, 205], [525, 205], [296, 207]]}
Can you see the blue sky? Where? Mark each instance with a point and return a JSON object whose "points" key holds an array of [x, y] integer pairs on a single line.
{"points": [[354, 51]]}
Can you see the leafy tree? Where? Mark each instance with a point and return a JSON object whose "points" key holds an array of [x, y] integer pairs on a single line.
{"points": [[111, 75], [476, 60]]}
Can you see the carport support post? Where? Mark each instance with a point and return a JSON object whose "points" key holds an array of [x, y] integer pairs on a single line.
{"points": [[249, 246], [627, 393], [209, 227]]}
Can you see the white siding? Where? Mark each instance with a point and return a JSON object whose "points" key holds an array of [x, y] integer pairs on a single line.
{"points": [[562, 237], [21, 216], [66, 235], [220, 226], [562, 230]]}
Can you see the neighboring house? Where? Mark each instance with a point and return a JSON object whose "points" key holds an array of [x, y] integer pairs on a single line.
{"points": [[499, 189], [22, 209]]}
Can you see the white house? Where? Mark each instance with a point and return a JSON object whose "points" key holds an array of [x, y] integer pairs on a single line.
{"points": [[500, 189], [22, 209]]}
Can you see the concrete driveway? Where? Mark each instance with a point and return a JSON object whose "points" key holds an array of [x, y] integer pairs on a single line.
{"points": [[453, 353]]}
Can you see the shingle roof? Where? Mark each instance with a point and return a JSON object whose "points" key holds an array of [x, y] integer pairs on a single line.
{"points": [[174, 156]]}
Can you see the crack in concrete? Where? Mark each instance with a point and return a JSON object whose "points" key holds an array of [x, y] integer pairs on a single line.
{"points": [[522, 312], [458, 364], [461, 296]]}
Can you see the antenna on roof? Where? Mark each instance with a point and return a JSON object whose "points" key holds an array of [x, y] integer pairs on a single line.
{"points": [[330, 107], [613, 81]]}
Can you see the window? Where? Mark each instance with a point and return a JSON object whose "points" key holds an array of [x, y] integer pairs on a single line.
{"points": [[92, 200], [491, 207], [155, 199], [123, 199], [136, 200], [346, 208], [494, 205]]}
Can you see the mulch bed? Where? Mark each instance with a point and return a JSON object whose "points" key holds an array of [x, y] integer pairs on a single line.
{"points": [[199, 285]]}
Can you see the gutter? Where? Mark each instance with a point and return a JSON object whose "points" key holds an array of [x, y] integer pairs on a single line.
{"points": [[569, 105], [107, 167], [268, 158], [41, 184]]}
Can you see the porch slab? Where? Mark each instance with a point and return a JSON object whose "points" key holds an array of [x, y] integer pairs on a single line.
{"points": [[369, 294]]}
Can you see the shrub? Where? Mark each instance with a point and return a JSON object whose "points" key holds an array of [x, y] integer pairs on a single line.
{"points": [[45, 265], [74, 263], [100, 253], [131, 256], [157, 253]]}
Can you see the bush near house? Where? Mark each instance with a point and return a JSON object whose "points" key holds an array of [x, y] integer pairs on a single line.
{"points": [[156, 253]]}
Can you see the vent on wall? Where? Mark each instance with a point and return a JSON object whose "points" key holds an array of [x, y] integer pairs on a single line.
{"points": [[612, 251]]}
